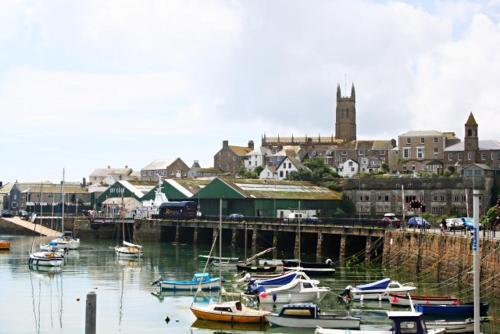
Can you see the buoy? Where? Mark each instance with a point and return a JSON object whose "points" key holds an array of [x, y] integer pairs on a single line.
{"points": [[77, 299], [167, 319]]}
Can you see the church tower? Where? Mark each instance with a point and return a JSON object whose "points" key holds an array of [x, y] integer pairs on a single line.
{"points": [[471, 140], [345, 116]]}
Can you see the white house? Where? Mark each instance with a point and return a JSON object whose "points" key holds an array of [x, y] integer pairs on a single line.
{"points": [[269, 172], [287, 166], [256, 158], [369, 165], [349, 168]]}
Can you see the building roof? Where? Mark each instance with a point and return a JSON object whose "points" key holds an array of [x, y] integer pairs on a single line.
{"points": [[484, 145], [6, 188], [471, 121], [156, 165], [422, 133], [274, 189], [482, 166], [326, 140], [49, 187], [240, 150], [101, 172], [193, 185], [139, 189]]}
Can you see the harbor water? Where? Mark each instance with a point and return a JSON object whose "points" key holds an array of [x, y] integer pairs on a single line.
{"points": [[53, 300]]}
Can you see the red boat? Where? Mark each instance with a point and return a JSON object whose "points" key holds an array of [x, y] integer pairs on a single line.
{"points": [[404, 300]]}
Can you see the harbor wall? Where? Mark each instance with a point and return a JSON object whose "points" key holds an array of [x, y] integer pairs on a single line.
{"points": [[442, 257]]}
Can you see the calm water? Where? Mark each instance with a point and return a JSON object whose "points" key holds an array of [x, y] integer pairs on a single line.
{"points": [[54, 302]]}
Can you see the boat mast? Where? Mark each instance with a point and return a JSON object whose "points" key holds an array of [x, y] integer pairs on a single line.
{"points": [[62, 203], [220, 249], [300, 218], [476, 264]]}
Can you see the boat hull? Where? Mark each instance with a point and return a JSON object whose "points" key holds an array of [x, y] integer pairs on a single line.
{"points": [[256, 269], [293, 297], [202, 314], [127, 253], [298, 322], [41, 260], [463, 311], [328, 271], [403, 300], [172, 286], [452, 326], [378, 294]]}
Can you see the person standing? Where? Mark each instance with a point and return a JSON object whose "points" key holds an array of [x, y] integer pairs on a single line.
{"points": [[443, 226]]}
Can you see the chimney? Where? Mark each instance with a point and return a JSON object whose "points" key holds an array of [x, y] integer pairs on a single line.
{"points": [[126, 166], [250, 144], [84, 182], [225, 144], [109, 166], [1, 184]]}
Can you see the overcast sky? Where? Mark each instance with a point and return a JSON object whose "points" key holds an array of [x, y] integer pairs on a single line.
{"points": [[87, 84]]}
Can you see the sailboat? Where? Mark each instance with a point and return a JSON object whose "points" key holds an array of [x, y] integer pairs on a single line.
{"points": [[50, 258], [66, 240], [232, 311], [127, 249]]}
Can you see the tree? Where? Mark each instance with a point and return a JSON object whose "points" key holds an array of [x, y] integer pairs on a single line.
{"points": [[258, 170], [314, 170], [384, 167], [246, 174]]}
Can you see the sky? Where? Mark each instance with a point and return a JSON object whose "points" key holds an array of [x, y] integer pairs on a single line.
{"points": [[89, 84]]}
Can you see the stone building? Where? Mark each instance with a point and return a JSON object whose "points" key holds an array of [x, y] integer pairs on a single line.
{"points": [[163, 169], [231, 158], [345, 116], [442, 196], [472, 150], [423, 150]]}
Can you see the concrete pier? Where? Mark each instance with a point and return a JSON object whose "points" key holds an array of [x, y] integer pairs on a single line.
{"points": [[368, 250], [275, 244], [233, 237], [254, 240], [177, 233], [319, 246], [195, 235], [296, 248], [342, 249]]}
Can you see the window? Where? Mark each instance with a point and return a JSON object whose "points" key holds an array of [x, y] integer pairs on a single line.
{"points": [[483, 156], [350, 163], [436, 151], [436, 139], [387, 198], [408, 140], [450, 156], [422, 140], [459, 156], [344, 153], [420, 152], [281, 173], [406, 152], [361, 153], [469, 156], [289, 165]]}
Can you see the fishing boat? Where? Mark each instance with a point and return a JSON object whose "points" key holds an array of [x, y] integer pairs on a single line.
{"points": [[129, 249], [463, 310], [231, 311], [256, 286], [299, 290], [4, 245], [200, 280], [377, 290], [46, 258], [310, 268], [404, 300], [256, 268], [310, 316], [402, 322]]}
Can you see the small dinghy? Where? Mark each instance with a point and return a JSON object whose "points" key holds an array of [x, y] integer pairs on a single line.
{"points": [[378, 290], [232, 312], [402, 322], [310, 268], [199, 280], [462, 311], [297, 291], [403, 300], [466, 326], [129, 250], [310, 316]]}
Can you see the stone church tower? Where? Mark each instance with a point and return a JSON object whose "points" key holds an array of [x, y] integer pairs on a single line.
{"points": [[345, 116], [471, 140]]}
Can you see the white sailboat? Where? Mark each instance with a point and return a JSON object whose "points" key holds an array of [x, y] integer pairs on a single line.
{"points": [[127, 249], [48, 258], [66, 240], [233, 312]]}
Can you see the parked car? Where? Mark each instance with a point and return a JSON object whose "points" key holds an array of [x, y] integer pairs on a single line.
{"points": [[7, 213], [312, 219], [454, 224], [23, 214], [235, 216], [418, 222], [390, 219], [469, 223]]}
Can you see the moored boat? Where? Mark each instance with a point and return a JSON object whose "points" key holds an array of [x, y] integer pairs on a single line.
{"points": [[403, 300], [200, 280], [462, 310], [46, 258], [4, 245], [309, 316], [232, 312], [255, 269], [466, 326], [297, 291], [378, 290], [402, 321], [129, 250], [310, 268], [67, 241]]}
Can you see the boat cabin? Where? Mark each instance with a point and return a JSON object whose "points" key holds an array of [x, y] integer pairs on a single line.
{"points": [[204, 277], [229, 307], [303, 310], [406, 322]]}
